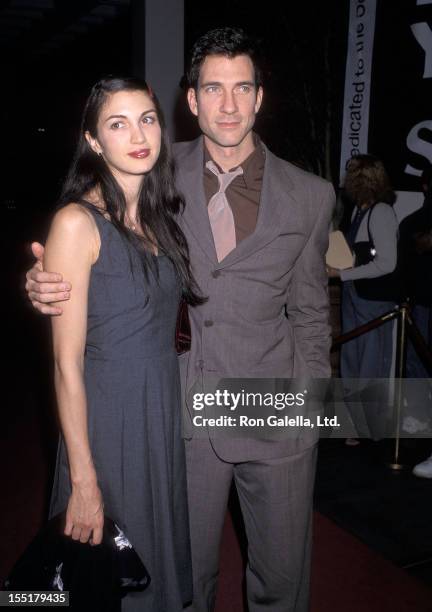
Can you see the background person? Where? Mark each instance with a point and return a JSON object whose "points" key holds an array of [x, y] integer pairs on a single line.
{"points": [[367, 187], [416, 258]]}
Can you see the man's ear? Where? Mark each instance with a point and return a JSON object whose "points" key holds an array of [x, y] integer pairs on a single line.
{"points": [[192, 100], [93, 143], [259, 98]]}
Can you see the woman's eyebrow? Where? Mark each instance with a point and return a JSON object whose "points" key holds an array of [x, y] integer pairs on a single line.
{"points": [[150, 110]]}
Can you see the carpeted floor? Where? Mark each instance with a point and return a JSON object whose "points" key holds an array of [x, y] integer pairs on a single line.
{"points": [[390, 511], [348, 576]]}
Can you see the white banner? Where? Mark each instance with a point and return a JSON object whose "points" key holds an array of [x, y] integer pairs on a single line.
{"points": [[355, 125]]}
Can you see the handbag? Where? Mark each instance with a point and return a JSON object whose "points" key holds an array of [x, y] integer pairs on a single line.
{"points": [[97, 577], [385, 288]]}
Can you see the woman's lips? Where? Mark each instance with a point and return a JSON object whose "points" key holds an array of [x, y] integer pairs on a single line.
{"points": [[141, 154]]}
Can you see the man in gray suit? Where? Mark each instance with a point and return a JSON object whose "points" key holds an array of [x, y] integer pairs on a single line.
{"points": [[257, 229]]}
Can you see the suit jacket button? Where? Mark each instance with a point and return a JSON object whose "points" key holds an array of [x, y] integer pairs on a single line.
{"points": [[215, 273], [208, 323]]}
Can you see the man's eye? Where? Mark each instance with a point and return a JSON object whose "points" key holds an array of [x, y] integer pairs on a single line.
{"points": [[212, 89], [244, 88]]}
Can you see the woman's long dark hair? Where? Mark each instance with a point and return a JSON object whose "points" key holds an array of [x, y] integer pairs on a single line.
{"points": [[158, 201]]}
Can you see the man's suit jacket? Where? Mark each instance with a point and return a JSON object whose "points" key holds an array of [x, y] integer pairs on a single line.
{"points": [[242, 330]]}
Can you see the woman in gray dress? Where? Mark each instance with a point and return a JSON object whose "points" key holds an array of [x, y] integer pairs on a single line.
{"points": [[116, 239]]}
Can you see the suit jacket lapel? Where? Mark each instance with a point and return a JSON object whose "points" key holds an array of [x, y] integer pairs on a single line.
{"points": [[275, 197], [191, 183]]}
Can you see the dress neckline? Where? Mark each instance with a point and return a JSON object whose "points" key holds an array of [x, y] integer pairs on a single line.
{"points": [[100, 212]]}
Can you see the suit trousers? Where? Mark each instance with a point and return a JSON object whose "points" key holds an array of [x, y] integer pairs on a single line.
{"points": [[276, 502]]}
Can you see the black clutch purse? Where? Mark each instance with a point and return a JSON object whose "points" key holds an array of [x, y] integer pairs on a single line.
{"points": [[97, 577]]}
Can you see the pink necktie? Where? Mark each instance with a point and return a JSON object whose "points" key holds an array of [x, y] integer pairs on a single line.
{"points": [[220, 213]]}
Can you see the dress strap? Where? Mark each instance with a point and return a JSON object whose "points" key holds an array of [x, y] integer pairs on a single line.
{"points": [[96, 212]]}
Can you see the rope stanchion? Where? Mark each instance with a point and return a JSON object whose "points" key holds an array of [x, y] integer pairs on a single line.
{"points": [[400, 374], [362, 329], [405, 328]]}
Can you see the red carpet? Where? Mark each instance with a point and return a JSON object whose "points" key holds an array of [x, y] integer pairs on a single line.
{"points": [[347, 576]]}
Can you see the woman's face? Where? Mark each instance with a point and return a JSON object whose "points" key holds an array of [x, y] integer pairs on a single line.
{"points": [[128, 133]]}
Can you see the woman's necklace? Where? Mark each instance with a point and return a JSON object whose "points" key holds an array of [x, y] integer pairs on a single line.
{"points": [[133, 226], [130, 223]]}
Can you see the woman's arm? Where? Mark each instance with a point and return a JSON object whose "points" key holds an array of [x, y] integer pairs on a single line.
{"points": [[384, 233], [72, 248]]}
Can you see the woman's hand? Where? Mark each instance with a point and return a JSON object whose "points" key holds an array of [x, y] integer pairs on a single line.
{"points": [[84, 515], [333, 272]]}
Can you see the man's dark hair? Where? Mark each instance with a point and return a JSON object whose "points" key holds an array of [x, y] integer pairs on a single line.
{"points": [[223, 41]]}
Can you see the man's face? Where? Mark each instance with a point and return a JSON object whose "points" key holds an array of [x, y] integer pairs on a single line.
{"points": [[226, 100]]}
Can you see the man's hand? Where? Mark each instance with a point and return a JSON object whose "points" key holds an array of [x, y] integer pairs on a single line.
{"points": [[43, 288]]}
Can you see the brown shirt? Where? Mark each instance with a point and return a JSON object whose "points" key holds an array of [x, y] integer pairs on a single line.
{"points": [[244, 193]]}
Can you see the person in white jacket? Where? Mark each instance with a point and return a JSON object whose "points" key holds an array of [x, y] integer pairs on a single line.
{"points": [[367, 186]]}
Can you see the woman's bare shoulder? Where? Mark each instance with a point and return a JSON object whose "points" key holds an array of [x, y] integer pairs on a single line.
{"points": [[74, 229], [74, 217]]}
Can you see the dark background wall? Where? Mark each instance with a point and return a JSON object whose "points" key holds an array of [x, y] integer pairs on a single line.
{"points": [[53, 51]]}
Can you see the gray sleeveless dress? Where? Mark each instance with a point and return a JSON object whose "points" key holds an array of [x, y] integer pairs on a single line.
{"points": [[134, 417]]}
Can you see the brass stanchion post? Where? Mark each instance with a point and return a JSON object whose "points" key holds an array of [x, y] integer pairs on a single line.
{"points": [[400, 373]]}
